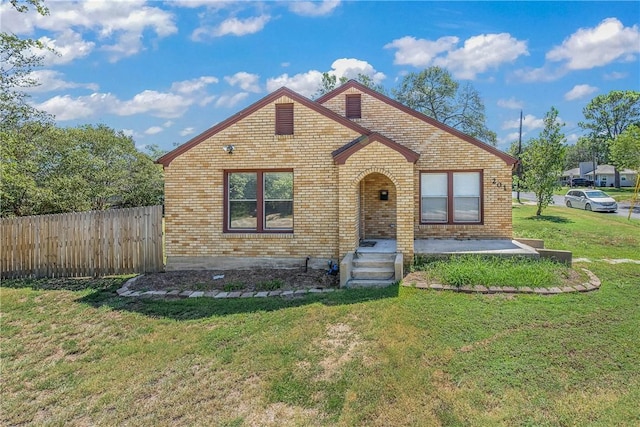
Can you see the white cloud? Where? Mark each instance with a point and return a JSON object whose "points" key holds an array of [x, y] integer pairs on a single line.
{"points": [[594, 47], [246, 81], [193, 85], [232, 26], [313, 8], [542, 74], [505, 142], [228, 101], [68, 108], [351, 67], [130, 132], [169, 105], [579, 91], [168, 123], [419, 52], [153, 130], [529, 123], [615, 75], [481, 53], [68, 46], [50, 80], [119, 27], [160, 104], [305, 84], [511, 103], [477, 55], [187, 131], [206, 100]]}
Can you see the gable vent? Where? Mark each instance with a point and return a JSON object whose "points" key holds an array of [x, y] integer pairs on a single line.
{"points": [[353, 106], [284, 119]]}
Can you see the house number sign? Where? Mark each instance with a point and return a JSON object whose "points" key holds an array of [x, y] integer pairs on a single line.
{"points": [[499, 184]]}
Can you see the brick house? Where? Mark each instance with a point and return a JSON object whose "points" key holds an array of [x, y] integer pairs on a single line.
{"points": [[289, 178]]}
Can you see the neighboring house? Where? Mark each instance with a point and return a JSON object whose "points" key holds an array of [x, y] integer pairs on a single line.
{"points": [[289, 178], [605, 176], [569, 175]]}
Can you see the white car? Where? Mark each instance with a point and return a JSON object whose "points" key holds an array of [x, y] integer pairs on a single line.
{"points": [[591, 200]]}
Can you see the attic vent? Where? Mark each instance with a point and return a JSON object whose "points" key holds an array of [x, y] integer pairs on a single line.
{"points": [[353, 107], [284, 119]]}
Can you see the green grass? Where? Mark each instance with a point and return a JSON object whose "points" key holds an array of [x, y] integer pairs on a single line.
{"points": [[587, 234], [476, 270], [80, 355]]}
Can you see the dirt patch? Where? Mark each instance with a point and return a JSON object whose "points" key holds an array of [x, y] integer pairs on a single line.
{"points": [[254, 280], [339, 345]]}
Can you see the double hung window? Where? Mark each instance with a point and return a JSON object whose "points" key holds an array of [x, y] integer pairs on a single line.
{"points": [[259, 201], [451, 197]]}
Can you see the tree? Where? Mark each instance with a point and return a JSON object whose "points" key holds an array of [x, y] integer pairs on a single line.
{"points": [[75, 169], [581, 151], [17, 61], [607, 116], [625, 149], [435, 93], [543, 160]]}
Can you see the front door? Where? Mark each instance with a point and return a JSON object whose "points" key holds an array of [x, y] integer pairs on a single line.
{"points": [[377, 210]]}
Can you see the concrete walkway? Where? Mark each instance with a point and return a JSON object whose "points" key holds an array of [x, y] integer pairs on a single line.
{"points": [[476, 246], [452, 246]]}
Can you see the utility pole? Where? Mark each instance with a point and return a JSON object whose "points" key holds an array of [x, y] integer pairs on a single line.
{"points": [[519, 159]]}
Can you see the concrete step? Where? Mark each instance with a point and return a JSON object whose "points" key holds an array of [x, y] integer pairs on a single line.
{"points": [[358, 283], [375, 255], [373, 262], [373, 273]]}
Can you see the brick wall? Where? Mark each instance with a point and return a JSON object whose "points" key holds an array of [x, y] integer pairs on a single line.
{"points": [[440, 150], [330, 201], [194, 188]]}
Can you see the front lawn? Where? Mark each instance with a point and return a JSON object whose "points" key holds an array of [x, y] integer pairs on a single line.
{"points": [[80, 355]]}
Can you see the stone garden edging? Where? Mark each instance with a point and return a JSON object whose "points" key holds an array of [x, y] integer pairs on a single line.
{"points": [[124, 291], [593, 284]]}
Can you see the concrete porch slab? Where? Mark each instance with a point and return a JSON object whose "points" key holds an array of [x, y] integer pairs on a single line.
{"points": [[481, 246]]}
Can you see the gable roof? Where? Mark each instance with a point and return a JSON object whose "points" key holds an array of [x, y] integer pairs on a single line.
{"points": [[318, 107], [393, 103], [341, 155], [283, 91], [609, 170]]}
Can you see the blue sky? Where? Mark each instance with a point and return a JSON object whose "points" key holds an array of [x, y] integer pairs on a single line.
{"points": [[166, 71]]}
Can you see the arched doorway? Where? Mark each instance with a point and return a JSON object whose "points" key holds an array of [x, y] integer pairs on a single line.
{"points": [[377, 207]]}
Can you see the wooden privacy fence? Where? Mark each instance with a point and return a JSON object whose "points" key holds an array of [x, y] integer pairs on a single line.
{"points": [[96, 243]]}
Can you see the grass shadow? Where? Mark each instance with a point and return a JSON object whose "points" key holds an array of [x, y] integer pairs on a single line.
{"points": [[550, 218], [66, 283], [198, 308]]}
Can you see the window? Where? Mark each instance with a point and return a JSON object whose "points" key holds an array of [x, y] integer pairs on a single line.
{"points": [[353, 107], [284, 119], [434, 197], [451, 197], [259, 201]]}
